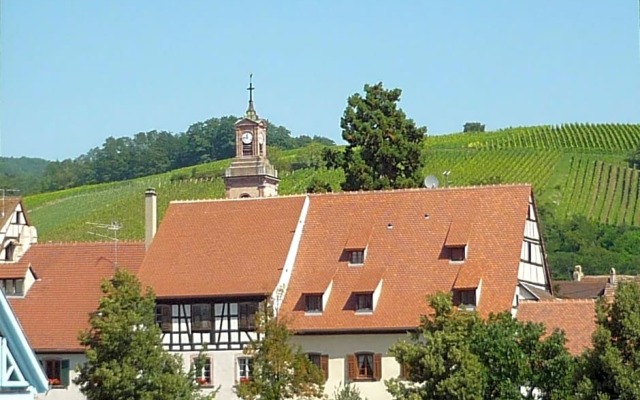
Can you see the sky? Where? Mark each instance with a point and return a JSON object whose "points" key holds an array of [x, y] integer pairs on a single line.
{"points": [[74, 72]]}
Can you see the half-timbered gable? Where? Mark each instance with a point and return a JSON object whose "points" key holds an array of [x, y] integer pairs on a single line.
{"points": [[57, 306], [16, 233]]}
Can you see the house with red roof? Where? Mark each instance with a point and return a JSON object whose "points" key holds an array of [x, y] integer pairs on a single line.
{"points": [[55, 307], [350, 272]]}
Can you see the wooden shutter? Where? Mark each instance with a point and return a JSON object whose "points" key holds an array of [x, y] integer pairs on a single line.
{"points": [[377, 366], [64, 372], [324, 366], [165, 318], [352, 366]]}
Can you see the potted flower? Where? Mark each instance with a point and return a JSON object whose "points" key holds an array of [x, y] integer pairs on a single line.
{"points": [[244, 380], [54, 381], [202, 380]]}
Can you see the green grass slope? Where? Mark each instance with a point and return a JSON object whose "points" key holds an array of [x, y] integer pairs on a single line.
{"points": [[575, 169]]}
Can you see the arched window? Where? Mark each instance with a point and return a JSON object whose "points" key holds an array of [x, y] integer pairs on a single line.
{"points": [[8, 251]]}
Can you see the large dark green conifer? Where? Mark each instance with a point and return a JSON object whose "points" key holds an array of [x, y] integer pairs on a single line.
{"points": [[385, 146]]}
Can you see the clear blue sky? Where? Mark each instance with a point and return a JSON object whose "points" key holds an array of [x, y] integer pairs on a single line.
{"points": [[74, 72]]}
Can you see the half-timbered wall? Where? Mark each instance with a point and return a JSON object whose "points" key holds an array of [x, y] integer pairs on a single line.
{"points": [[16, 236], [230, 329], [532, 267]]}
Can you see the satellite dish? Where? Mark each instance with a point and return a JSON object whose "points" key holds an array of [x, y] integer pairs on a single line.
{"points": [[431, 182]]}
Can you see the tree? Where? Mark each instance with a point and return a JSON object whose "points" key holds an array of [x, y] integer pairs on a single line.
{"points": [[385, 146], [612, 367], [280, 370], [439, 358], [456, 354], [125, 359], [473, 127]]}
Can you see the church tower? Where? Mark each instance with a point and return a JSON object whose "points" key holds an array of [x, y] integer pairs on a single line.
{"points": [[250, 174]]}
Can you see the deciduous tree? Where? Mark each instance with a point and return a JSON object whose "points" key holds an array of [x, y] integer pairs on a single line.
{"points": [[125, 359], [279, 369]]}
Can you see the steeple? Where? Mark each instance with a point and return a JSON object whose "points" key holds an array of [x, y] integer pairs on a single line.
{"points": [[251, 112]]}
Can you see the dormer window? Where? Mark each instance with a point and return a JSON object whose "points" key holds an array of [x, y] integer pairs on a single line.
{"points": [[457, 253], [364, 302], [465, 298], [356, 257], [313, 303]]}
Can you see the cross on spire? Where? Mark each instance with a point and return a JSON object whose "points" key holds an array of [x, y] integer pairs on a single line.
{"points": [[251, 112]]}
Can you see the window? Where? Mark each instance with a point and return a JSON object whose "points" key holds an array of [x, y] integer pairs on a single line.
{"points": [[247, 149], [57, 372], [321, 361], [163, 317], [245, 369], [356, 257], [457, 253], [12, 287], [313, 303], [247, 315], [201, 317], [364, 302], [405, 372], [202, 370], [466, 298], [365, 366], [8, 251], [18, 217]]}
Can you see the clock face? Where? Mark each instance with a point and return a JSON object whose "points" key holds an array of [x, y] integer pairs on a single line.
{"points": [[247, 137], [260, 138]]}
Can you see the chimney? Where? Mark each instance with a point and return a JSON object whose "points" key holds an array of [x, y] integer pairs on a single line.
{"points": [[150, 216]]}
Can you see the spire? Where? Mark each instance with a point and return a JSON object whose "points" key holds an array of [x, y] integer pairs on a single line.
{"points": [[251, 112]]}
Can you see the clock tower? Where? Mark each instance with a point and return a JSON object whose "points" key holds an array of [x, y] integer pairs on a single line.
{"points": [[250, 173]]}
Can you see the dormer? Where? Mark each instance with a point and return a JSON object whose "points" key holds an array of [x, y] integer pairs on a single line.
{"points": [[467, 298], [355, 249], [366, 301], [456, 244]]}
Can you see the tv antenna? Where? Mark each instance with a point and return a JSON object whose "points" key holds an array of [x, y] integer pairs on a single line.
{"points": [[446, 177], [4, 195], [431, 182], [114, 227]]}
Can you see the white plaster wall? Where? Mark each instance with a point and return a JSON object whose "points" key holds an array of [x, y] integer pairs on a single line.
{"points": [[223, 365], [71, 392], [338, 346]]}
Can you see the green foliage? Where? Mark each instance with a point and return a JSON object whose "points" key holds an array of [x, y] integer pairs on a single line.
{"points": [[22, 173], [280, 369], [385, 146], [125, 359], [347, 392], [612, 367], [473, 127], [456, 354]]}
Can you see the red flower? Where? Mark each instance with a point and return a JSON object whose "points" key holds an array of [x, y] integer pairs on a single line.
{"points": [[54, 381], [202, 380], [244, 380]]}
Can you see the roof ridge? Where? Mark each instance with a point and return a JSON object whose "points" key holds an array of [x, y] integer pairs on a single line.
{"points": [[212, 200], [557, 300], [420, 189], [96, 242]]}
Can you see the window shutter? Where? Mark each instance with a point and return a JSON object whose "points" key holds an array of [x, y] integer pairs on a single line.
{"points": [[324, 366], [166, 318], [377, 366], [352, 366], [64, 372]]}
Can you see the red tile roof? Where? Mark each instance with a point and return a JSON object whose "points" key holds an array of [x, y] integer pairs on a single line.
{"points": [[221, 247], [576, 318], [57, 306], [405, 250], [590, 287]]}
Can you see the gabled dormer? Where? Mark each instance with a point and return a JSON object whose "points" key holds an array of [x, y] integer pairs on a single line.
{"points": [[355, 248], [16, 234], [456, 244]]}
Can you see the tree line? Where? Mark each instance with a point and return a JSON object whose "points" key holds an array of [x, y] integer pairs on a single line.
{"points": [[154, 152]]}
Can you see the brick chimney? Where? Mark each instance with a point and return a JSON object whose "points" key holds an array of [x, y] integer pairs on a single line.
{"points": [[150, 216]]}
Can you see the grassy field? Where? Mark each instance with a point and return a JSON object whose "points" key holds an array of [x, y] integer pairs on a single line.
{"points": [[575, 169]]}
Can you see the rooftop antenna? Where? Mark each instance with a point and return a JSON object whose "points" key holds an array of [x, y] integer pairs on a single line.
{"points": [[4, 194], [446, 177], [431, 182], [114, 227]]}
